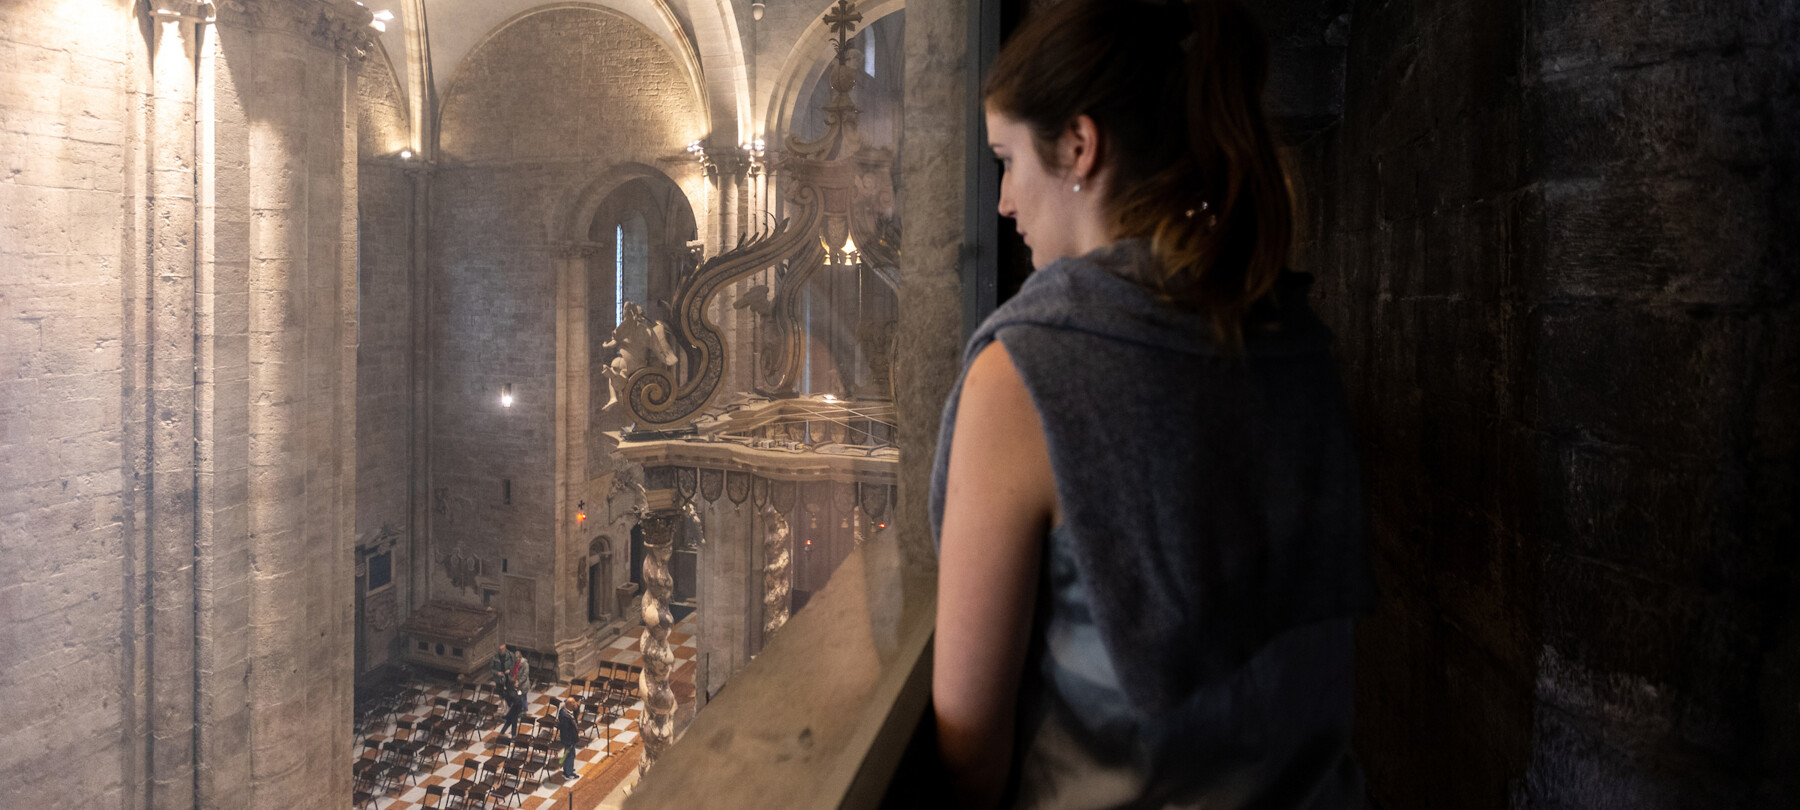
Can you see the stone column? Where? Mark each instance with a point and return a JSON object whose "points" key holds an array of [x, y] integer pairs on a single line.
{"points": [[657, 725], [575, 646], [281, 143], [776, 577], [169, 455]]}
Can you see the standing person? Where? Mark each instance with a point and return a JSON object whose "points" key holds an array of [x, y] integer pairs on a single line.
{"points": [[1148, 506], [511, 670], [570, 738], [515, 709]]}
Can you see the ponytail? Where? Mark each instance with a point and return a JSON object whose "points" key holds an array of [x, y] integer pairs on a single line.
{"points": [[1205, 187]]}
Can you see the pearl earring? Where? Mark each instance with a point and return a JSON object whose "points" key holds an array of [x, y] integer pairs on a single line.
{"points": [[1077, 188]]}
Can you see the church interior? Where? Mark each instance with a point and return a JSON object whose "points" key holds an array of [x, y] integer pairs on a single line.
{"points": [[343, 343]]}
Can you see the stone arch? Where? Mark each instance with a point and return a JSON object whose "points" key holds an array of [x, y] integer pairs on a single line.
{"points": [[572, 220], [654, 15], [561, 66], [640, 232], [383, 122], [806, 61]]}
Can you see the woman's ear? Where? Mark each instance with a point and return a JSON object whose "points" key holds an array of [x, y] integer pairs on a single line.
{"points": [[1079, 148]]}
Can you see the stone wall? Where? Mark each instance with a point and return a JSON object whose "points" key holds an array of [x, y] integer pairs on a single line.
{"points": [[548, 111], [180, 278], [70, 599], [385, 355], [1552, 244]]}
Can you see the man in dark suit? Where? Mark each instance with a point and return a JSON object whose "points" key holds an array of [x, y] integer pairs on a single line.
{"points": [[570, 738], [515, 709]]}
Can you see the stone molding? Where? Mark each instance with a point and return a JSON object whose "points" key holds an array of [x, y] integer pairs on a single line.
{"points": [[183, 10], [576, 250], [340, 25]]}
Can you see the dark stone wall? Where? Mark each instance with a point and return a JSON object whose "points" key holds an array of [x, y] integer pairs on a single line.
{"points": [[1557, 243]]}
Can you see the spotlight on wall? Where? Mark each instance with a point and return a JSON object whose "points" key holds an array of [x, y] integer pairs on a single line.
{"points": [[406, 154], [382, 18], [506, 396]]}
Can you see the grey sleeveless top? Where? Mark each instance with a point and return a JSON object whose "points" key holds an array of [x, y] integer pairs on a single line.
{"points": [[1192, 646], [1274, 735]]}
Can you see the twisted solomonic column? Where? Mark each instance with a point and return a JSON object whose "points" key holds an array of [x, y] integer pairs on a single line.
{"points": [[775, 572], [658, 722]]}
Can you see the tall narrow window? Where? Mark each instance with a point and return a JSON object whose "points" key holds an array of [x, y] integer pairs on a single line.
{"points": [[619, 274]]}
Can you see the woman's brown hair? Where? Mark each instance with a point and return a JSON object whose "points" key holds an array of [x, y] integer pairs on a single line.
{"points": [[1176, 88]]}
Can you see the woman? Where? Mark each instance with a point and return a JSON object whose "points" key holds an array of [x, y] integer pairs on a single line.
{"points": [[1148, 504]]}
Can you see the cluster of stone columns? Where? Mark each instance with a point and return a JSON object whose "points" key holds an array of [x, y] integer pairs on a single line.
{"points": [[249, 299]]}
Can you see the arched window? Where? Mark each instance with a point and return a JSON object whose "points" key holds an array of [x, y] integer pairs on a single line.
{"points": [[631, 264]]}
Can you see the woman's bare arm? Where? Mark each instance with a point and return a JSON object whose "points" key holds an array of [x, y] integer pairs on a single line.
{"points": [[999, 500]]}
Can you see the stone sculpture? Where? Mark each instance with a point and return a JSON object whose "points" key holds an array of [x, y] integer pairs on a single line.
{"points": [[641, 342]]}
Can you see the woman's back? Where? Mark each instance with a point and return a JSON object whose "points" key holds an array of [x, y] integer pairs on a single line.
{"points": [[1193, 633]]}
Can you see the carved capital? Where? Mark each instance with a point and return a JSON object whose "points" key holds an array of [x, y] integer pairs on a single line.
{"points": [[659, 527], [341, 25]]}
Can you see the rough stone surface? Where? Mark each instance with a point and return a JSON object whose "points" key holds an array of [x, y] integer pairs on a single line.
{"points": [[68, 596], [180, 317], [1550, 243], [929, 340]]}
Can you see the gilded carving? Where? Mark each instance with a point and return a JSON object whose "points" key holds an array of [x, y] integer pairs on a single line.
{"points": [[776, 575], [737, 487], [782, 495]]}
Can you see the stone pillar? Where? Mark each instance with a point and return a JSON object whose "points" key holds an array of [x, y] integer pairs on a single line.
{"points": [[928, 341], [170, 405], [657, 725], [575, 646], [418, 551], [280, 148], [776, 576]]}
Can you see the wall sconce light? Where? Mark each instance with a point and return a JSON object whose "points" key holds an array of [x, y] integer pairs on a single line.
{"points": [[881, 525], [382, 18], [506, 396], [756, 11], [406, 154], [581, 512]]}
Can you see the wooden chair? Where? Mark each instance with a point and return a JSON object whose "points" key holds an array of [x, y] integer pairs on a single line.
{"points": [[526, 786], [434, 796], [433, 752], [363, 788]]}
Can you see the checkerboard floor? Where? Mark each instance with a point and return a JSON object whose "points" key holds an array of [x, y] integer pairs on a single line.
{"points": [[612, 742]]}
